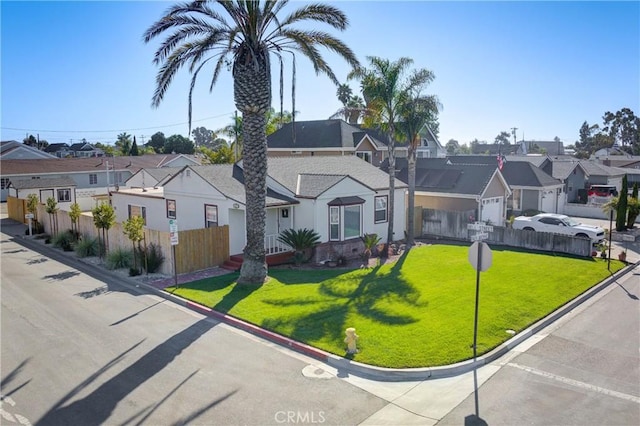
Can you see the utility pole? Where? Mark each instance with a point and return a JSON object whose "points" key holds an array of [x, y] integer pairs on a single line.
{"points": [[513, 132]]}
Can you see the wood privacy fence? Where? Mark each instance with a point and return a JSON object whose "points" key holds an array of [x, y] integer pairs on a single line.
{"points": [[197, 249], [453, 225], [16, 209]]}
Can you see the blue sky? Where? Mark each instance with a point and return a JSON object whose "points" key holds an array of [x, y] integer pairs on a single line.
{"points": [[79, 69]]}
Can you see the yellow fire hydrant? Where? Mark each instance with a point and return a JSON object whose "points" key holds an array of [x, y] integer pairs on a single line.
{"points": [[351, 340]]}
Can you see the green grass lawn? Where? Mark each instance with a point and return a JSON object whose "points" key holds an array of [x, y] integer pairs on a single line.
{"points": [[417, 312]]}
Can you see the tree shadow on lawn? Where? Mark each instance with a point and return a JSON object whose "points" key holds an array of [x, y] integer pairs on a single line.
{"points": [[343, 298]]}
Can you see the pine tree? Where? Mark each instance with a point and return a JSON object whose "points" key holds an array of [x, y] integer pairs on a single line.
{"points": [[621, 216], [134, 148]]}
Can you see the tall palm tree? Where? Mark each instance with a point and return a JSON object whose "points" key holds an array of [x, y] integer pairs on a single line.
{"points": [[244, 34], [415, 112], [385, 87]]}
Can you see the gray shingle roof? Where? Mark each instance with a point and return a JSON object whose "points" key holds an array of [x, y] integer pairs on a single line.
{"points": [[562, 169], [313, 185], [596, 169], [163, 173], [285, 170], [43, 183], [516, 173], [437, 175]]}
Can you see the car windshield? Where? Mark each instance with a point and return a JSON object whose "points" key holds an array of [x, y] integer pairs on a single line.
{"points": [[571, 222]]}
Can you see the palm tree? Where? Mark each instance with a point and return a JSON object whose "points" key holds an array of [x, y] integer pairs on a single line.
{"points": [[385, 89], [415, 112], [352, 105], [244, 34]]}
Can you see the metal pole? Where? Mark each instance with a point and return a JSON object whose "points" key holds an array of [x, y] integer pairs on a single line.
{"points": [[610, 233], [175, 271], [475, 321]]}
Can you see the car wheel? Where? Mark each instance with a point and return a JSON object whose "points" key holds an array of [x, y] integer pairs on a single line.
{"points": [[528, 228], [582, 235]]}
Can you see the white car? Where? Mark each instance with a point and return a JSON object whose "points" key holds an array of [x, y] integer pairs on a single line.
{"points": [[559, 224]]}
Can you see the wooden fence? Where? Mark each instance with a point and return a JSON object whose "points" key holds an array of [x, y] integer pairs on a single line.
{"points": [[16, 209], [197, 249], [453, 225]]}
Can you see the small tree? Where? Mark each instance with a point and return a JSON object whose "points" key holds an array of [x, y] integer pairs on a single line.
{"points": [[74, 215], [32, 206], [104, 217], [621, 216], [133, 228], [633, 208], [52, 209]]}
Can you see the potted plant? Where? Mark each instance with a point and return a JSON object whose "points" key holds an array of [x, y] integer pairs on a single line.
{"points": [[370, 242], [622, 256]]}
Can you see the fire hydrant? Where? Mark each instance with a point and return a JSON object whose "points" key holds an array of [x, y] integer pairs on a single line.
{"points": [[351, 340]]}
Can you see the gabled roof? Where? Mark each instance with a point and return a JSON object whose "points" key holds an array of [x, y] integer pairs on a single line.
{"points": [[596, 169], [82, 146], [324, 134], [42, 183], [441, 176], [285, 170], [84, 165], [55, 147], [161, 174], [516, 173], [562, 169], [16, 150], [311, 186], [551, 147], [494, 149], [228, 179]]}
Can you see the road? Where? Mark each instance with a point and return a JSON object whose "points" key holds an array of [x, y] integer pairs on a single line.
{"points": [[81, 351]]}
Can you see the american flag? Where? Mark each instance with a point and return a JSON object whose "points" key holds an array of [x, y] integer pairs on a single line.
{"points": [[500, 159]]}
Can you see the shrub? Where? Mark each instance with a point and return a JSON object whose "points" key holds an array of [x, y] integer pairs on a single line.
{"points": [[134, 272], [87, 246], [36, 228], [301, 240], [63, 240], [119, 258], [370, 242], [155, 258]]}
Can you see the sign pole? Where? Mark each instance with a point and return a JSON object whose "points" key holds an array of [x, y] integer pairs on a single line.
{"points": [[475, 325], [173, 237], [175, 270]]}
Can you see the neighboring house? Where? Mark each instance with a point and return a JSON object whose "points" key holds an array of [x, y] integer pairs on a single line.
{"points": [[532, 188], [61, 189], [430, 146], [151, 178], [94, 177], [443, 185], [541, 147], [572, 174], [85, 149], [341, 198], [329, 138], [626, 161], [599, 174], [611, 152], [60, 150], [14, 150]]}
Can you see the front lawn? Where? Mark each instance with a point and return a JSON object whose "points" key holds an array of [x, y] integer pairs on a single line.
{"points": [[417, 312]]}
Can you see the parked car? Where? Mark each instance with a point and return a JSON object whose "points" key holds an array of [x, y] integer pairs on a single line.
{"points": [[603, 191], [559, 224]]}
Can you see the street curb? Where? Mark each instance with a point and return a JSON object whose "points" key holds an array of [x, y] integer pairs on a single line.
{"points": [[342, 364]]}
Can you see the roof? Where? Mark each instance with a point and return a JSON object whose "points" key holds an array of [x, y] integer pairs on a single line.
{"points": [[229, 180], [78, 165], [160, 174], [42, 183], [439, 175], [285, 170], [597, 169], [54, 147], [323, 134], [494, 149], [15, 150], [311, 186], [516, 173], [562, 169], [551, 147]]}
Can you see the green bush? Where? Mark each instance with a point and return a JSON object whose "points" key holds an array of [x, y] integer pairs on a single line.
{"points": [[119, 258], [63, 240], [87, 246], [36, 228], [155, 258], [302, 241]]}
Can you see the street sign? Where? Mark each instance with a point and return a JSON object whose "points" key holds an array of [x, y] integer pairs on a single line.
{"points": [[480, 236], [479, 226], [173, 232], [481, 261]]}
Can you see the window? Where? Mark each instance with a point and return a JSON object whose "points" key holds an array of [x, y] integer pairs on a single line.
{"points": [[365, 155], [93, 179], [64, 195], [345, 222], [380, 213], [138, 211], [210, 216], [334, 223], [171, 209], [4, 183]]}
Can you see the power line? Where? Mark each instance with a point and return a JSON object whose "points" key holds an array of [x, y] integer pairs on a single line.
{"points": [[114, 130]]}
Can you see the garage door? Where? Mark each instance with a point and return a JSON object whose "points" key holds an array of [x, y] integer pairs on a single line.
{"points": [[548, 201], [492, 211]]}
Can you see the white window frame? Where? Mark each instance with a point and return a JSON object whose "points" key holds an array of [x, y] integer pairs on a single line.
{"points": [[93, 178], [365, 155], [134, 210], [171, 209], [377, 209], [337, 230], [211, 210], [334, 223]]}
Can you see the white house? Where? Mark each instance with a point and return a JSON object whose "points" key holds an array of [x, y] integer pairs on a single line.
{"points": [[341, 198]]}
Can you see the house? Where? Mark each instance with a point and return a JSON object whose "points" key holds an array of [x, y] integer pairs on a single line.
{"points": [[493, 149], [14, 150], [572, 174], [94, 177], [329, 138], [341, 198], [61, 189], [85, 149], [531, 188], [430, 146], [60, 150], [444, 185]]}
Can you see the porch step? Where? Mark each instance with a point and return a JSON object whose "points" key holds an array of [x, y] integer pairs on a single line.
{"points": [[235, 260], [232, 265]]}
